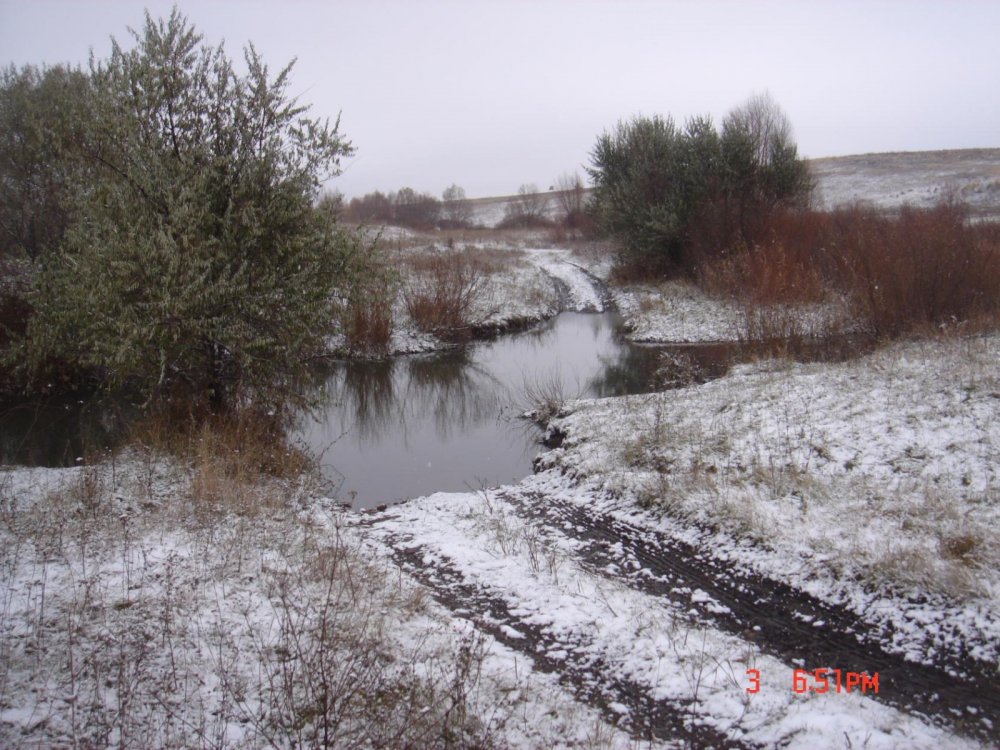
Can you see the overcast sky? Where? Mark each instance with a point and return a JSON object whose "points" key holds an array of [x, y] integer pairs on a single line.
{"points": [[492, 95]]}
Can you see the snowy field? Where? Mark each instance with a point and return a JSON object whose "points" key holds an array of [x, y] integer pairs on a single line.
{"points": [[871, 478], [142, 610], [918, 179]]}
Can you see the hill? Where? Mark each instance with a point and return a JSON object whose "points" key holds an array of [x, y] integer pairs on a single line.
{"points": [[888, 180]]}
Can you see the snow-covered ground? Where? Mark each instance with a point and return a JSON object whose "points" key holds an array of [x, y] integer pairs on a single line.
{"points": [[140, 610], [919, 179], [860, 481], [530, 284], [673, 550], [676, 311], [587, 619], [582, 295], [870, 485]]}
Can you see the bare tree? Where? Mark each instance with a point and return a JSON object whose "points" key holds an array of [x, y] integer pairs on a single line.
{"points": [[413, 209], [375, 207], [569, 194], [528, 208], [764, 125], [763, 168], [456, 209]]}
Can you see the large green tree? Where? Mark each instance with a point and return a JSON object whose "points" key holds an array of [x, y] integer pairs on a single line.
{"points": [[196, 259], [650, 177], [660, 189]]}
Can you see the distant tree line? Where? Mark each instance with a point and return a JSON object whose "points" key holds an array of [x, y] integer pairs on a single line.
{"points": [[563, 205], [409, 208]]}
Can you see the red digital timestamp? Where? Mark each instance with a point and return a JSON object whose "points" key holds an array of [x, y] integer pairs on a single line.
{"points": [[823, 681]]}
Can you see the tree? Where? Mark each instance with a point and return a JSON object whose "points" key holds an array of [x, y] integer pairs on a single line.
{"points": [[529, 208], [456, 210], [198, 261], [674, 197], [43, 120], [413, 209], [569, 193], [763, 169], [639, 190], [374, 208]]}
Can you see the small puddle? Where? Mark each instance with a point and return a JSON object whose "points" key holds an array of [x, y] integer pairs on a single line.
{"points": [[451, 421]]}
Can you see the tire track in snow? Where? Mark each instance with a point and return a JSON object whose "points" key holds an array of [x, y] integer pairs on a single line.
{"points": [[623, 702], [780, 620], [579, 290]]}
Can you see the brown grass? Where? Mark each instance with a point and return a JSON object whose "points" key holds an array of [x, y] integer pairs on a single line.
{"points": [[442, 291], [367, 322], [916, 271], [233, 459]]}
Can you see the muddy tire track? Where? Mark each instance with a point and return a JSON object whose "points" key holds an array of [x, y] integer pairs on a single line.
{"points": [[590, 678], [780, 620]]}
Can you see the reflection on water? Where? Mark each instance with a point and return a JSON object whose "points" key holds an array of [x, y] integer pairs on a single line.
{"points": [[61, 431], [449, 421]]}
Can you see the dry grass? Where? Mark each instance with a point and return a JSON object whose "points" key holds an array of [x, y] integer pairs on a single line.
{"points": [[918, 270], [464, 237], [367, 323], [445, 287], [767, 461], [153, 602]]}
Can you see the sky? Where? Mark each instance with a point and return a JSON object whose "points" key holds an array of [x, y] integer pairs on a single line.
{"points": [[494, 95]]}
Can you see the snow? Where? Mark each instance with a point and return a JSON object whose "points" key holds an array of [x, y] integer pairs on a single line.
{"points": [[135, 613], [582, 295], [917, 179], [637, 636], [676, 312], [168, 624], [872, 482]]}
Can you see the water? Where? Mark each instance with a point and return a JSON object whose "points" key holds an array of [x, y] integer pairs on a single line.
{"points": [[416, 425], [62, 431], [450, 421]]}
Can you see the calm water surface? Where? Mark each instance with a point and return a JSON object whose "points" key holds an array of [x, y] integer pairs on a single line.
{"points": [[411, 426], [450, 421]]}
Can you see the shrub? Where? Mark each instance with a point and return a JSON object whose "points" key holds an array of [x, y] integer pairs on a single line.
{"points": [[417, 210], [372, 208], [456, 210], [368, 325], [442, 293], [570, 197], [199, 263], [785, 269], [920, 269]]}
